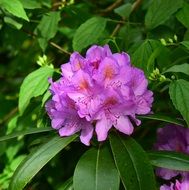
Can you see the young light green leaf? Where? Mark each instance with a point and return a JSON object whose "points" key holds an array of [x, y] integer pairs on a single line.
{"points": [[183, 15], [25, 132], [160, 11], [132, 162], [12, 22], [36, 160], [186, 44], [14, 7], [160, 117], [48, 25], [89, 32], [124, 10], [182, 68], [178, 91], [34, 4], [142, 54], [169, 160], [96, 171], [33, 85]]}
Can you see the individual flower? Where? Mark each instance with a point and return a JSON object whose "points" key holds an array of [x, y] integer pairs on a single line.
{"points": [[97, 92], [172, 138], [178, 185]]}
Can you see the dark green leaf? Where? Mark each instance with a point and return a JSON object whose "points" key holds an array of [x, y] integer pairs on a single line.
{"points": [[25, 132], [36, 160], [178, 91], [124, 10], [34, 85], [14, 7], [160, 11], [132, 162], [183, 15], [142, 54], [182, 68], [169, 160], [96, 171], [160, 117], [88, 33], [48, 25]]}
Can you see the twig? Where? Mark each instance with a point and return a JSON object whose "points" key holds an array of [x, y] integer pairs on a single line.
{"points": [[112, 6], [9, 115], [59, 48], [118, 26]]}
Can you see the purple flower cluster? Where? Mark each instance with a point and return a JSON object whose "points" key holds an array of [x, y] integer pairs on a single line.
{"points": [[173, 138], [96, 92]]}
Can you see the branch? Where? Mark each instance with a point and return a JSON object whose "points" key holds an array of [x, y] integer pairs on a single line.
{"points": [[112, 6]]}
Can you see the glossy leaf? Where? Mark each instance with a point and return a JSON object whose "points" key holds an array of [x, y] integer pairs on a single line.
{"points": [[34, 84], [36, 160], [185, 44], [12, 22], [160, 11], [169, 160], [96, 171], [132, 162], [25, 132], [124, 10], [182, 68], [14, 7], [178, 91], [160, 117], [88, 33]]}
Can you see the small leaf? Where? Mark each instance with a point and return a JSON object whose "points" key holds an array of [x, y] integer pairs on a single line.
{"points": [[182, 68], [34, 4], [183, 15], [36, 160], [160, 117], [186, 44], [48, 25], [25, 132], [14, 7], [96, 171], [169, 160], [34, 84], [124, 10], [178, 91], [160, 11], [88, 33], [132, 162], [12, 22]]}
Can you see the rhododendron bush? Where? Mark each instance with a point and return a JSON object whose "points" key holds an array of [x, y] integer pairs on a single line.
{"points": [[94, 95]]}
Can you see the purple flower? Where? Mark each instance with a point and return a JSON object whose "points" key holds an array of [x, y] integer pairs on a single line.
{"points": [[172, 138], [178, 185], [97, 92]]}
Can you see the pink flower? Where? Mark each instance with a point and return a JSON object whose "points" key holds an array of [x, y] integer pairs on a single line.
{"points": [[97, 92]]}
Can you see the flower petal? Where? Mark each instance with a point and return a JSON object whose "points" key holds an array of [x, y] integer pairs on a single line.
{"points": [[86, 134]]}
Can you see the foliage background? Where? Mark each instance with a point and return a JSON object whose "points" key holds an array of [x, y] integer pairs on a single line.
{"points": [[38, 36]]}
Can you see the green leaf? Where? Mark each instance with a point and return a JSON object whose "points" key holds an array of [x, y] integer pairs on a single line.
{"points": [[48, 25], [34, 84], [169, 160], [186, 44], [183, 15], [179, 91], [124, 10], [27, 4], [89, 32], [25, 132], [160, 117], [96, 171], [141, 56], [132, 162], [12, 22], [160, 11], [14, 7], [36, 160], [182, 68]]}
